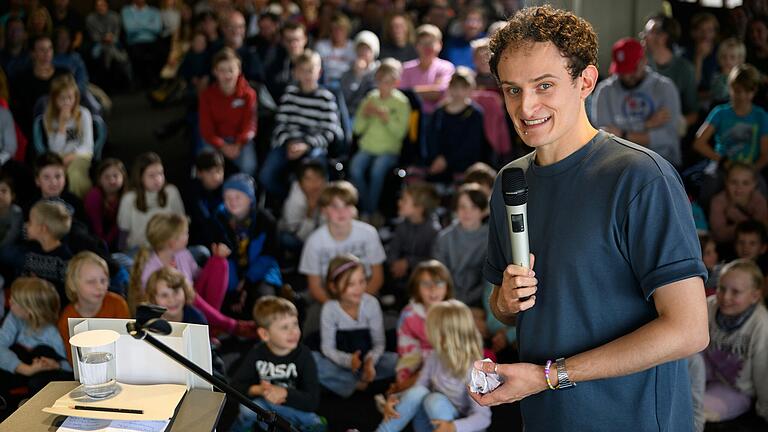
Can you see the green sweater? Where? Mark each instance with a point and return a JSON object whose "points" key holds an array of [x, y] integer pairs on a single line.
{"points": [[376, 136]]}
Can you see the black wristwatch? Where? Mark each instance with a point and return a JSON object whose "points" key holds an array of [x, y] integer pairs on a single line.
{"points": [[562, 375]]}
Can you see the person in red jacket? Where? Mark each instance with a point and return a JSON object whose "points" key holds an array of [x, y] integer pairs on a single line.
{"points": [[228, 113]]}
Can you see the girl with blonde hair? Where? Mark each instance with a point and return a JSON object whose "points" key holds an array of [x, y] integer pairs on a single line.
{"points": [[168, 234], [439, 400], [69, 132], [31, 349]]}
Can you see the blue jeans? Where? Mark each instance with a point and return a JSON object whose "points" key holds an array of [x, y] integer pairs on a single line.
{"points": [[370, 191], [421, 406], [302, 420], [273, 175], [246, 162], [342, 381]]}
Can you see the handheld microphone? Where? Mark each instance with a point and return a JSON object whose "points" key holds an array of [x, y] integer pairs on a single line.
{"points": [[515, 191]]}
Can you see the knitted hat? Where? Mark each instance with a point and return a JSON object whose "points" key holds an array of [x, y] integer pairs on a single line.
{"points": [[368, 38], [243, 183]]}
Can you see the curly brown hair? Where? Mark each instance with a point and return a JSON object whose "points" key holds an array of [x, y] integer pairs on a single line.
{"points": [[573, 36]]}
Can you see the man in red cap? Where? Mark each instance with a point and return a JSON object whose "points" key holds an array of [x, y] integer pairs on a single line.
{"points": [[638, 104]]}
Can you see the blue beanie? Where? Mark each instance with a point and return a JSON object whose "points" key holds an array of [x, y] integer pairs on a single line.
{"points": [[243, 183]]}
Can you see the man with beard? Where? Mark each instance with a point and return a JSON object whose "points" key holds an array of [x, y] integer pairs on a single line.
{"points": [[638, 104]]}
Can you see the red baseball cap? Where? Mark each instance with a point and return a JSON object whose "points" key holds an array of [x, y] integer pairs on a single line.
{"points": [[625, 55]]}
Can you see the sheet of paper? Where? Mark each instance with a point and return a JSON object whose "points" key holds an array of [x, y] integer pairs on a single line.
{"points": [[82, 424]]}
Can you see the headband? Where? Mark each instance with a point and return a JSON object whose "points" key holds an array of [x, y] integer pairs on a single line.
{"points": [[342, 268]]}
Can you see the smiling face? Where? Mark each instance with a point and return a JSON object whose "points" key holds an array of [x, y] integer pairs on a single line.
{"points": [[352, 293], [51, 181], [92, 284], [431, 290], [545, 104], [237, 203], [740, 184], [173, 300], [736, 292], [283, 334]]}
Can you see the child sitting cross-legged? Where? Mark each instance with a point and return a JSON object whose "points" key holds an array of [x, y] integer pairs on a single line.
{"points": [[439, 400], [352, 332], [279, 374], [168, 234]]}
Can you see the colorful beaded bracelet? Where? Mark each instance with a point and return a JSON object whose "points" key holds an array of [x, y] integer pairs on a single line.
{"points": [[546, 375]]}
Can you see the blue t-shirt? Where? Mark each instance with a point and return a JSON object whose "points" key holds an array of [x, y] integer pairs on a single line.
{"points": [[608, 225], [193, 316], [738, 137]]}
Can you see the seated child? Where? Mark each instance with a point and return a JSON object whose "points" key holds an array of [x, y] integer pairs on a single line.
{"points": [[204, 196], [711, 261], [427, 75], [167, 234], [457, 138], [414, 235], [150, 194], [227, 113], [169, 288], [306, 125], [433, 402], [11, 216], [69, 132], [430, 283], [730, 53], [279, 373], [736, 359], [251, 234], [738, 202], [739, 128], [358, 80], [102, 201], [342, 234], [461, 246], [381, 123], [46, 256], [351, 332], [301, 212], [51, 181], [31, 349], [87, 290]]}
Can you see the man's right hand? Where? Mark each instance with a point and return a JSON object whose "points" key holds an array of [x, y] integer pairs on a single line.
{"points": [[518, 290]]}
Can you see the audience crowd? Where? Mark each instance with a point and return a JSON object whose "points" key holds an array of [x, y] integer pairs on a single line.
{"points": [[333, 229]]}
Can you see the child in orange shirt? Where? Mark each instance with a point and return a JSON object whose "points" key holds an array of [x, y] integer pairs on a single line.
{"points": [[86, 286]]}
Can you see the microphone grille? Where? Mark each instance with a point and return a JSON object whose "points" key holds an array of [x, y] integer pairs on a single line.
{"points": [[514, 186]]}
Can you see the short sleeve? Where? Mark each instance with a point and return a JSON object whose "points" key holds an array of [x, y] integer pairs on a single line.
{"points": [[763, 123], [714, 117], [376, 254], [309, 264], [658, 235]]}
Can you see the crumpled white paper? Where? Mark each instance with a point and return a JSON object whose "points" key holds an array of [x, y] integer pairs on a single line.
{"points": [[481, 382]]}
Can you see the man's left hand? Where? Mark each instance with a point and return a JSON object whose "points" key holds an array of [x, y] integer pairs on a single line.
{"points": [[443, 426], [520, 381]]}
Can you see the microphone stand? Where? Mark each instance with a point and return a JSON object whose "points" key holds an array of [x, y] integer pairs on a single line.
{"points": [[147, 318]]}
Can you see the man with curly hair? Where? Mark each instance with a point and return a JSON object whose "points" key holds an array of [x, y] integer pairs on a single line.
{"points": [[617, 296]]}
